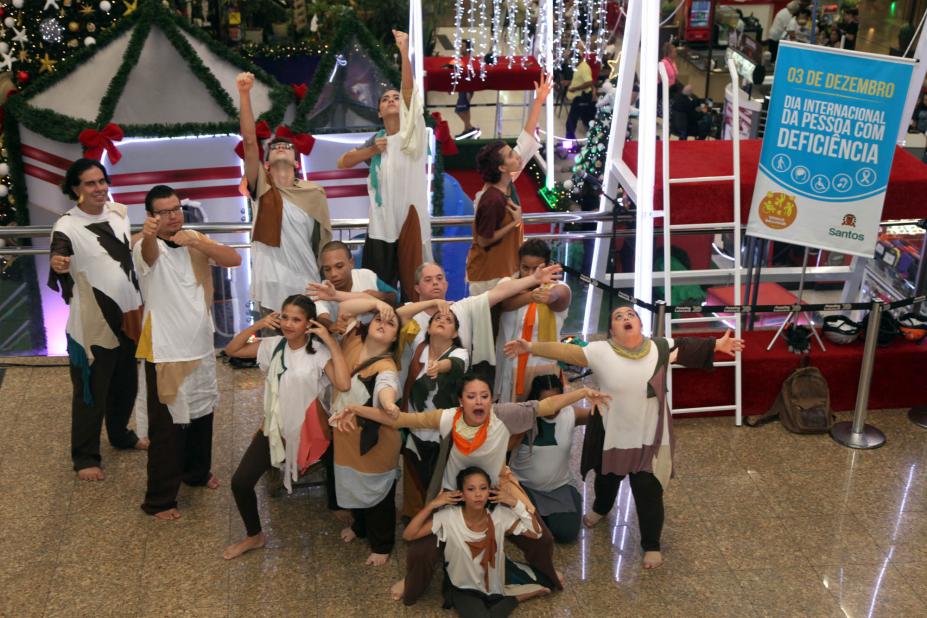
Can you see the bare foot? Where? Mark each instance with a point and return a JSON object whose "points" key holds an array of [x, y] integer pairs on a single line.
{"points": [[652, 559], [245, 545], [213, 482], [168, 515], [397, 590], [91, 474], [591, 519], [143, 444], [560, 578], [347, 535], [376, 559], [530, 595], [344, 516]]}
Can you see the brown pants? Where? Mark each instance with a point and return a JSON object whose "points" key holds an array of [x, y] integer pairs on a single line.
{"points": [[393, 261], [423, 554]]}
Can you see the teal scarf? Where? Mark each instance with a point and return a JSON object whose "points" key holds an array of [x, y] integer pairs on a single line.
{"points": [[375, 172]]}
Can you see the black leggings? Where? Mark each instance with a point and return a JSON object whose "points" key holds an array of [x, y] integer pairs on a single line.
{"points": [[254, 463], [377, 523], [648, 500]]}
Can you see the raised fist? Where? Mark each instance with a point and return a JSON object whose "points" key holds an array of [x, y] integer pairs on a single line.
{"points": [[244, 82]]}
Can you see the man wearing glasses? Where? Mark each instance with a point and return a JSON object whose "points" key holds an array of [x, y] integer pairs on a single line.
{"points": [[291, 217], [177, 346]]}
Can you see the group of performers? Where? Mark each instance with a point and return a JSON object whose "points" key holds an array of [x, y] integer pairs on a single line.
{"points": [[480, 424]]}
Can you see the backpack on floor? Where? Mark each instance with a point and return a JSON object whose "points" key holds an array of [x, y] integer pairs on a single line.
{"points": [[803, 403]]}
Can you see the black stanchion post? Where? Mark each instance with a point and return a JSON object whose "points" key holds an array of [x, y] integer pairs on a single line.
{"points": [[857, 434], [660, 328]]}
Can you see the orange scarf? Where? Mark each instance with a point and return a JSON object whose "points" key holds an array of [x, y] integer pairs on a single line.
{"points": [[526, 332], [468, 446]]}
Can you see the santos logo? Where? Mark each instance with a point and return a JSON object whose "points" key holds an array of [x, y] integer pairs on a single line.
{"points": [[846, 234]]}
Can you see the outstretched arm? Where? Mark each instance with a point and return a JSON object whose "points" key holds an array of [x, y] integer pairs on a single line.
{"points": [[514, 286], [566, 352], [541, 90], [242, 345], [549, 406], [244, 82], [223, 256], [402, 42]]}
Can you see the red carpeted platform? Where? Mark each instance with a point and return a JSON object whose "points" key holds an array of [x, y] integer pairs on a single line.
{"points": [[897, 379], [438, 70], [471, 183], [711, 202]]}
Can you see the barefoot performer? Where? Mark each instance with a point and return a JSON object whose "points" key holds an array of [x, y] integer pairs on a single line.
{"points": [[177, 347], [483, 581], [91, 264], [291, 220], [474, 434], [399, 233], [634, 436], [293, 435]]}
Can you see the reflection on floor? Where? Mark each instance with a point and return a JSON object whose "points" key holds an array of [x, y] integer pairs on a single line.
{"points": [[759, 522]]}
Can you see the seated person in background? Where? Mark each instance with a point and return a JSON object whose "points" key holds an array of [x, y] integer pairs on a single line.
{"points": [[338, 273], [535, 314], [541, 462], [478, 573], [497, 219]]}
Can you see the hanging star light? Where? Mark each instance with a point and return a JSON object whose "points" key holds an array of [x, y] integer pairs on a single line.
{"points": [[130, 7], [86, 10], [613, 66], [47, 64], [19, 36], [6, 62], [51, 3]]}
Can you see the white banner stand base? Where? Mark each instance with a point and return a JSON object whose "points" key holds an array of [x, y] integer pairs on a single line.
{"points": [[918, 416]]}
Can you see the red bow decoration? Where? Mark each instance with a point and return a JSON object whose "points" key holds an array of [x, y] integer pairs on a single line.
{"points": [[262, 129], [300, 90], [302, 142], [443, 135], [95, 142]]}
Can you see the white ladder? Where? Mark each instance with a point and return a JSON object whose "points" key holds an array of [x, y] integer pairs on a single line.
{"points": [[668, 228]]}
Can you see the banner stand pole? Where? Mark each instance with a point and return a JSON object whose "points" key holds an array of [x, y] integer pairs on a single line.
{"points": [[857, 434], [659, 329], [794, 314]]}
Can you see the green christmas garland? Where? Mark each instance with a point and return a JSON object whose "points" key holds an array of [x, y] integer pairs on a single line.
{"points": [[65, 129]]}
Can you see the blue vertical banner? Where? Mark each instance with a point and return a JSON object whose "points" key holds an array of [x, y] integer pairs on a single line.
{"points": [[827, 151]]}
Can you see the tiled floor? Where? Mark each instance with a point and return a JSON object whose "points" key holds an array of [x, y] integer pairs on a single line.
{"points": [[759, 523]]}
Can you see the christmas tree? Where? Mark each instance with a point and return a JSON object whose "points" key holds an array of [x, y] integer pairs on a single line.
{"points": [[590, 162], [35, 36]]}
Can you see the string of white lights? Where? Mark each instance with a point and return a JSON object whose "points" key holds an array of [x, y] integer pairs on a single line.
{"points": [[483, 36], [511, 30], [496, 31], [458, 24], [526, 33]]}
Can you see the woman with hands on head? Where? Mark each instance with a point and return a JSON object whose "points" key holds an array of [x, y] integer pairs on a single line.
{"points": [[478, 432], [633, 436], [293, 433], [472, 523], [366, 455]]}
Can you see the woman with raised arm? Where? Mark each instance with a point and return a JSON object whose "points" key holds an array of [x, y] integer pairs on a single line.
{"points": [[482, 580], [634, 436], [497, 233], [292, 436], [476, 433]]}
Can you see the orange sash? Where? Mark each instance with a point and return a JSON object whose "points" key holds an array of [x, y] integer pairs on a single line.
{"points": [[468, 446], [526, 331]]}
